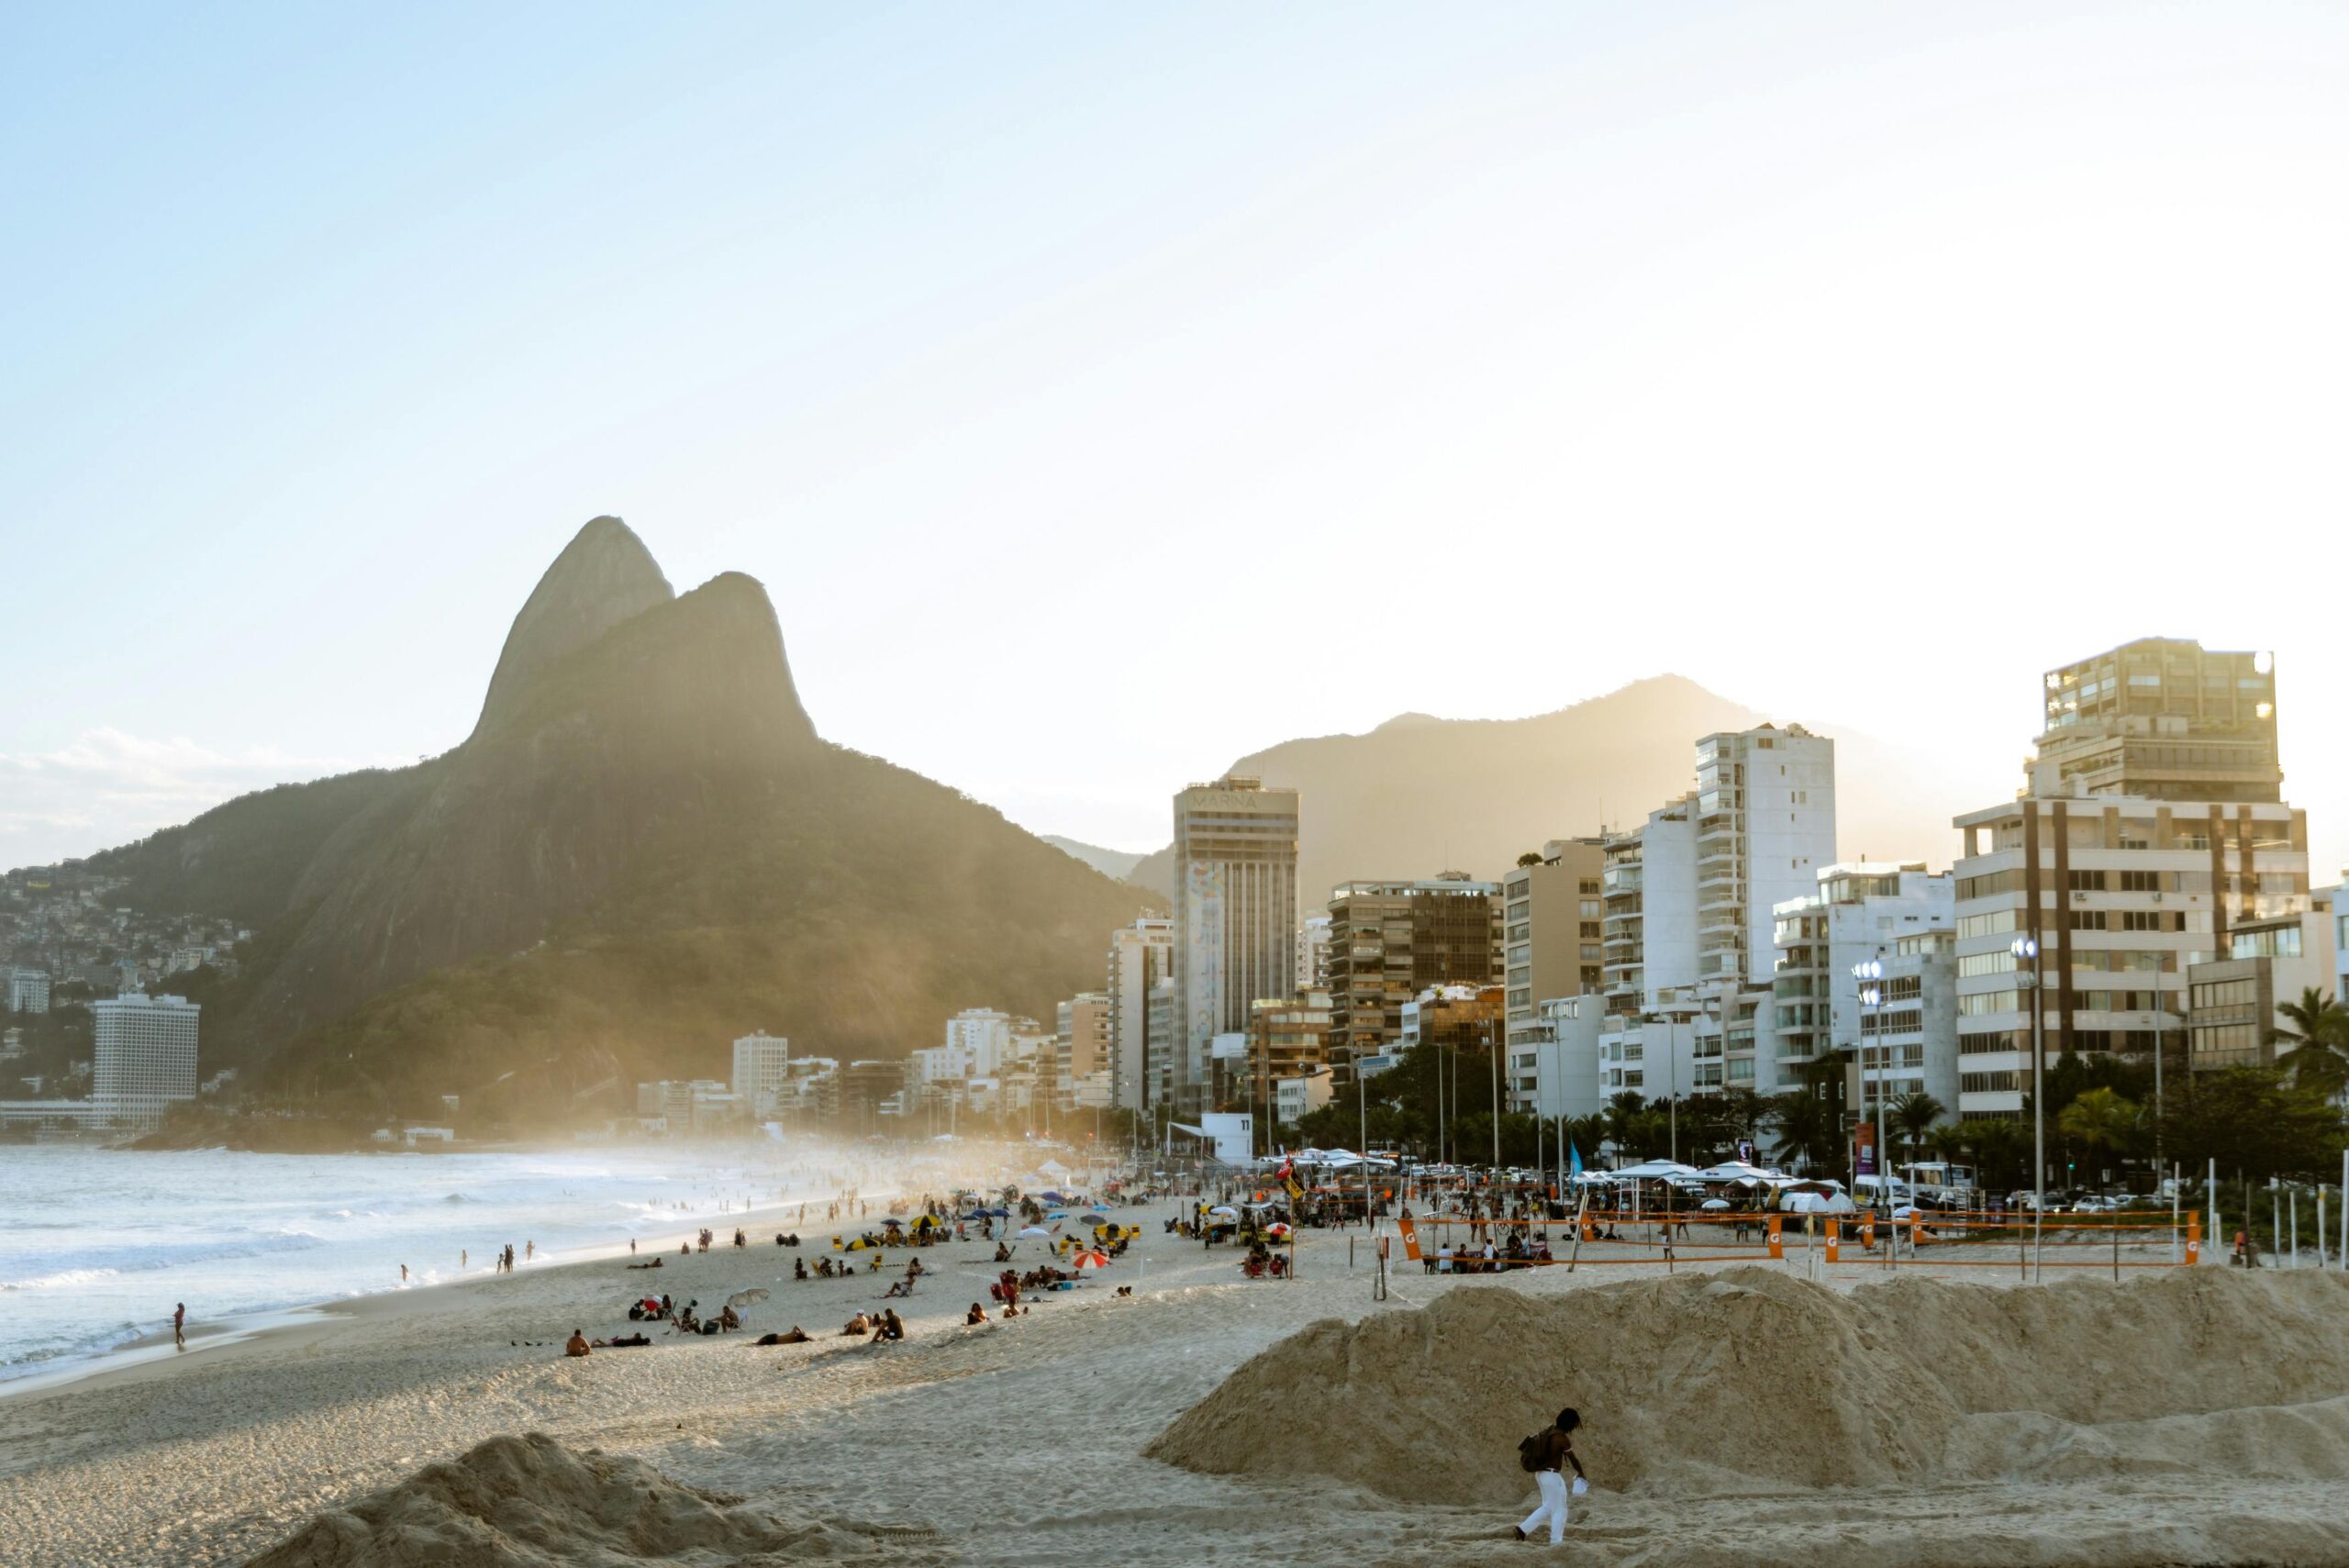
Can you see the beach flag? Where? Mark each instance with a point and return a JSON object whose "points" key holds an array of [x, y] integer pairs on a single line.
{"points": [[1574, 1158]]}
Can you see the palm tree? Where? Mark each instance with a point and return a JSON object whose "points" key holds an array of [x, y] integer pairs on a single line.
{"points": [[2000, 1147], [1807, 1130], [1915, 1114], [2318, 1038], [2103, 1121]]}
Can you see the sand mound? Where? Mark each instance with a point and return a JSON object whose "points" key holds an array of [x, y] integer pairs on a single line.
{"points": [[529, 1502], [1719, 1381]]}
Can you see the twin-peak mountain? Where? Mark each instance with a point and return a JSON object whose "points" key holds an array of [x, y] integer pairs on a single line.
{"points": [[642, 851]]}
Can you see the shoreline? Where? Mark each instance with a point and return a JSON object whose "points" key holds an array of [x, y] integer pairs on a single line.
{"points": [[142, 1353]]}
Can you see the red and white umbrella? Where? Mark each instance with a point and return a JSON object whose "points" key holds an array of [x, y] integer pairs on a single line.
{"points": [[1092, 1258], [1277, 1229]]}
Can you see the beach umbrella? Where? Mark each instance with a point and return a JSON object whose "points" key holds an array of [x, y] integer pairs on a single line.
{"points": [[1038, 1231], [1225, 1210], [1092, 1258], [1277, 1229], [742, 1298], [1714, 1202]]}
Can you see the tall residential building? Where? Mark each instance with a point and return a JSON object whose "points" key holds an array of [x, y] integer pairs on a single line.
{"points": [[1313, 953], [1390, 940], [1859, 912], [1649, 903], [1286, 1039], [1765, 824], [1082, 1045], [145, 1059], [1235, 916], [28, 991], [1141, 955], [980, 1041], [2163, 719], [1553, 913], [762, 1068], [2123, 893]]}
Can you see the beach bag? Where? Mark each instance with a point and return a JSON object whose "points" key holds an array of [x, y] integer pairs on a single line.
{"points": [[1529, 1454]]}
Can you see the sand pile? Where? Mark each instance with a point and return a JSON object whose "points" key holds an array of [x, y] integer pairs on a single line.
{"points": [[529, 1502], [1721, 1382]]}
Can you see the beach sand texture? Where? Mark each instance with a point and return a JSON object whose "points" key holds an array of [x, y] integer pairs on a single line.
{"points": [[1737, 1415]]}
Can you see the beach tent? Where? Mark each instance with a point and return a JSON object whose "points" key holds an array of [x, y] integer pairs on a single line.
{"points": [[1738, 1171], [1655, 1171], [1816, 1203]]}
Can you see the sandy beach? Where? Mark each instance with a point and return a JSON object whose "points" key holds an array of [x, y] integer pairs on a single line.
{"points": [[1025, 1441]]}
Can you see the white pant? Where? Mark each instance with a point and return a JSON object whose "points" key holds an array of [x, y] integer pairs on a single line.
{"points": [[1554, 1506]]}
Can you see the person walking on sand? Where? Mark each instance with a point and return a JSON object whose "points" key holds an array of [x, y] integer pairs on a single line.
{"points": [[1545, 1454], [178, 1327]]}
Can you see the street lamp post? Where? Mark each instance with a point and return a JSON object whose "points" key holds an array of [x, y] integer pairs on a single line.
{"points": [[2026, 951], [1869, 973]]}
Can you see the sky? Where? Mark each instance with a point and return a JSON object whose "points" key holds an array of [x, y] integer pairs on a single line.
{"points": [[1103, 394]]}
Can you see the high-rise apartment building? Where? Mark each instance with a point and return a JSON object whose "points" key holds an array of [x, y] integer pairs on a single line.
{"points": [[1765, 816], [2232, 999], [1313, 953], [1286, 1039], [2123, 892], [1082, 1045], [1141, 955], [979, 1041], [1235, 916], [145, 1060], [1649, 903], [1553, 914], [1390, 940], [762, 1068], [1859, 912], [28, 991], [2163, 719]]}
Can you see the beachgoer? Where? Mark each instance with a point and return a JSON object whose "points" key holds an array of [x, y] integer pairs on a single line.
{"points": [[1545, 1453], [977, 1315], [631, 1246], [891, 1326], [576, 1345], [461, 1259], [530, 1251], [857, 1327], [179, 1326], [403, 1274]]}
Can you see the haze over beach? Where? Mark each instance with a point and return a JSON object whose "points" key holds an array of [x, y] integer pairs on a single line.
{"points": [[1028, 787]]}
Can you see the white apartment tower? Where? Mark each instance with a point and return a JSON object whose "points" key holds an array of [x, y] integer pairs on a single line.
{"points": [[1235, 916], [1766, 825], [145, 1056], [761, 1069], [1141, 955]]}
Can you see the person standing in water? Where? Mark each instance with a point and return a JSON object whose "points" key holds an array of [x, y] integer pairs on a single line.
{"points": [[1546, 1454]]}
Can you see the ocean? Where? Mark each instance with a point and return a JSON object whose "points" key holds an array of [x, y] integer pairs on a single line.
{"points": [[96, 1245]]}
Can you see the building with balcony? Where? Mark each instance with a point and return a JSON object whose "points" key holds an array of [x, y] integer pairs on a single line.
{"points": [[1765, 814], [1390, 941], [145, 1057], [1554, 1058], [1235, 916], [2148, 830], [1141, 955], [762, 1067], [1287, 1039], [1553, 915], [1648, 903], [2230, 1020]]}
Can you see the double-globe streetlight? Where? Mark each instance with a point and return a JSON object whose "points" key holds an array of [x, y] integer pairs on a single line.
{"points": [[1869, 973], [2027, 981]]}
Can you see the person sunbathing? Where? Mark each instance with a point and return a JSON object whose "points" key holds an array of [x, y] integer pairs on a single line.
{"points": [[977, 1315], [576, 1345], [857, 1327]]}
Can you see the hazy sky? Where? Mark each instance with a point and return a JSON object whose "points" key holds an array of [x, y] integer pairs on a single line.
{"points": [[1103, 392]]}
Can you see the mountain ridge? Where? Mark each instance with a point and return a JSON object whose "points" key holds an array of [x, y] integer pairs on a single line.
{"points": [[643, 848]]}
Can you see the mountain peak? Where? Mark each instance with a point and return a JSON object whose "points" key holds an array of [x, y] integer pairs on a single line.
{"points": [[603, 576]]}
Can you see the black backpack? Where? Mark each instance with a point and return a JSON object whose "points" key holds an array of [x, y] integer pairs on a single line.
{"points": [[1534, 1453]]}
